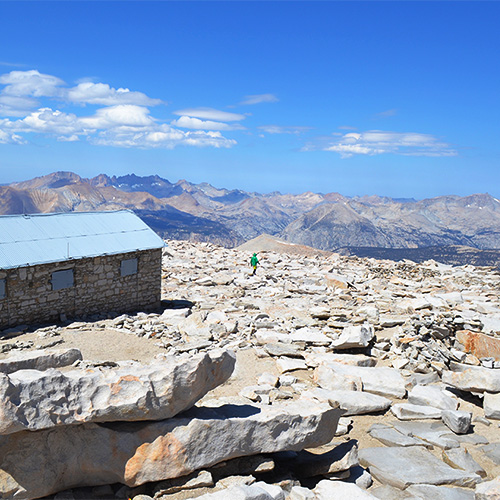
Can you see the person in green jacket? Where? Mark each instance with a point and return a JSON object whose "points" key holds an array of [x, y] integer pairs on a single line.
{"points": [[253, 262]]}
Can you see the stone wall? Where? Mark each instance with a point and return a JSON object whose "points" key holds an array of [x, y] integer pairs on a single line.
{"points": [[98, 287]]}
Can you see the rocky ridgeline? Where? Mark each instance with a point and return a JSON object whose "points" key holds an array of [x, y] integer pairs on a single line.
{"points": [[409, 353]]}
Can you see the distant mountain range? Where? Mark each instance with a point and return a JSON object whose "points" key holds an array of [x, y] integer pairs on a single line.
{"points": [[201, 212]]}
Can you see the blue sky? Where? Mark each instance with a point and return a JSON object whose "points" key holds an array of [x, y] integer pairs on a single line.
{"points": [[392, 98]]}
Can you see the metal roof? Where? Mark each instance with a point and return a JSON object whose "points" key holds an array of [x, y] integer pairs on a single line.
{"points": [[27, 240]]}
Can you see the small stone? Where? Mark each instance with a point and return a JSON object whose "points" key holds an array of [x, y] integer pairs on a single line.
{"points": [[290, 364], [354, 337], [461, 459], [458, 421], [301, 493], [329, 490], [228, 482], [268, 379], [407, 411], [432, 395], [274, 491], [491, 405], [287, 380]]}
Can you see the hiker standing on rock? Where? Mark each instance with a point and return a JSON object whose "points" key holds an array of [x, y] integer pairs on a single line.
{"points": [[253, 262]]}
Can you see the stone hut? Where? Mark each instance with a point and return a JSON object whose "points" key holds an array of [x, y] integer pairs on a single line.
{"points": [[74, 264]]}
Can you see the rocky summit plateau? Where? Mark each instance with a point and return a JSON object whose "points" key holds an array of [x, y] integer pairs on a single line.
{"points": [[449, 229], [321, 377]]}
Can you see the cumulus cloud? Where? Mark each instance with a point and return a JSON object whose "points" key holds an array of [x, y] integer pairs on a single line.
{"points": [[124, 118], [278, 129], [258, 99], [162, 137], [120, 126], [210, 114], [30, 83], [23, 89], [375, 142], [103, 94]]}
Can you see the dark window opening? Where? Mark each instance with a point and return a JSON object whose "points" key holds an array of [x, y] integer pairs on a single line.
{"points": [[128, 267], [62, 279]]}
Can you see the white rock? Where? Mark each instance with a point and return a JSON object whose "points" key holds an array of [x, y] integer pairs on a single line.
{"points": [[491, 405], [330, 490], [458, 421], [489, 490], [353, 402], [333, 381], [36, 464], [133, 392], [310, 336], [475, 379], [216, 317], [407, 411], [434, 396], [301, 493], [354, 336], [39, 360], [238, 493], [378, 380], [290, 364], [268, 379], [274, 491]]}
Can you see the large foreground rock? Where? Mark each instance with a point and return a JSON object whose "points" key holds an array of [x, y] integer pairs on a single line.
{"points": [[36, 464], [34, 400], [402, 467]]}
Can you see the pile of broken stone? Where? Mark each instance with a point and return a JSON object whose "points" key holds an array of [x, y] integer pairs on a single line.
{"points": [[414, 348]]}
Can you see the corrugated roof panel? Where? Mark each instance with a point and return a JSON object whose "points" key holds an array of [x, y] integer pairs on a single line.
{"points": [[45, 238]]}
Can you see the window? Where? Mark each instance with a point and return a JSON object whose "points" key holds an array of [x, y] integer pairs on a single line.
{"points": [[128, 267], [62, 279], [2, 289]]}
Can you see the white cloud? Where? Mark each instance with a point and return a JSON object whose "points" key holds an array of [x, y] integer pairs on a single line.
{"points": [[258, 99], [197, 124], [277, 129], [121, 126], [6, 138], [11, 105], [127, 115], [103, 94], [123, 118], [163, 137], [375, 142], [22, 87], [30, 83], [210, 114]]}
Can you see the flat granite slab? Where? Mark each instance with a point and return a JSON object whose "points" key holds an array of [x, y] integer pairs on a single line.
{"points": [[401, 467]]}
